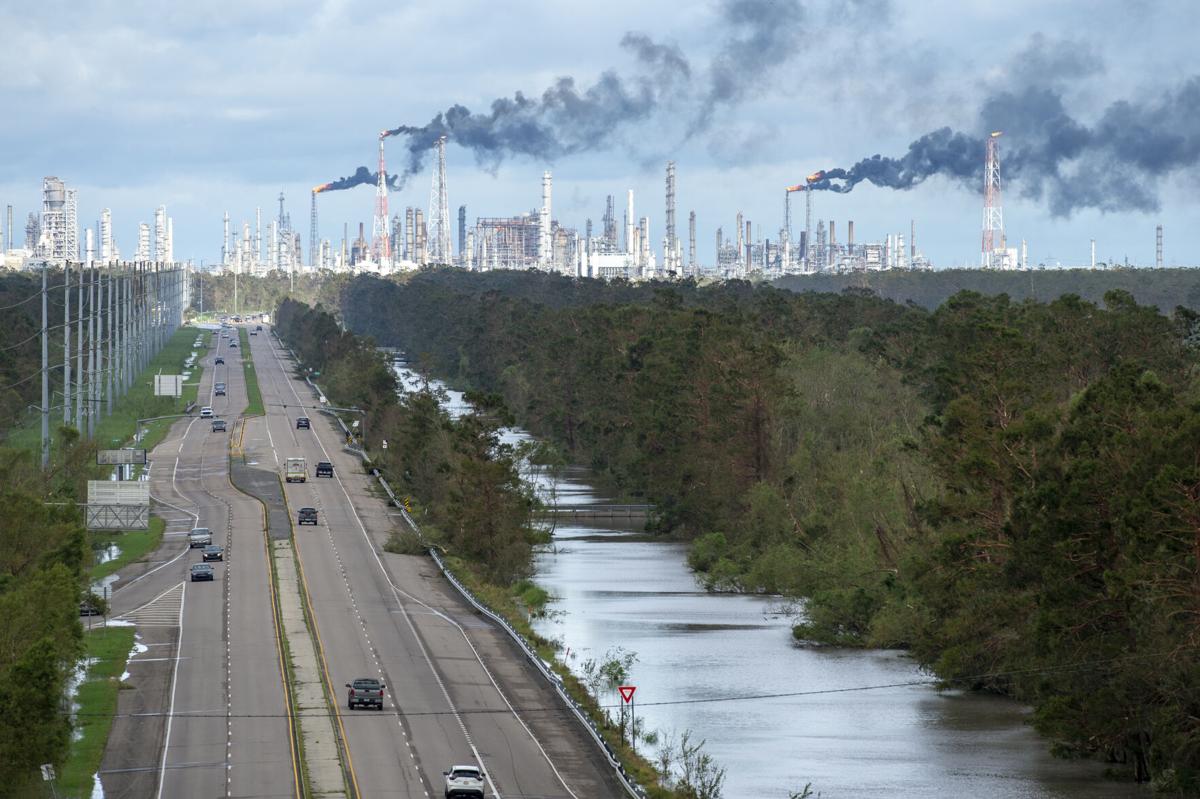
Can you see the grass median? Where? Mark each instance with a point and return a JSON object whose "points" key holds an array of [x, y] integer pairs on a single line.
{"points": [[107, 650], [254, 402]]}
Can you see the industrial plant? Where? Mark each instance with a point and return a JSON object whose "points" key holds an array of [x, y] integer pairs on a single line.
{"points": [[625, 247]]}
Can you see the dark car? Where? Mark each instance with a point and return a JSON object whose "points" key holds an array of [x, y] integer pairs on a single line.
{"points": [[307, 516], [233, 345], [324, 469], [302, 423], [258, 327], [219, 390], [365, 691], [219, 361], [213, 552], [218, 426], [202, 571]]}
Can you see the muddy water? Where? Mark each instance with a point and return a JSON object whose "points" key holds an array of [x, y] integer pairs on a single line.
{"points": [[775, 715]]}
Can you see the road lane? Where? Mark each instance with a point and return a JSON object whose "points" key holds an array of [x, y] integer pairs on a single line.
{"points": [[223, 729], [453, 708]]}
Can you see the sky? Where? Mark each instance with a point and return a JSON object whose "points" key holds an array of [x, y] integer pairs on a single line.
{"points": [[208, 107]]}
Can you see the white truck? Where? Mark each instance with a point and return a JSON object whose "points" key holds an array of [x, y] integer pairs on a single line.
{"points": [[465, 782], [295, 470]]}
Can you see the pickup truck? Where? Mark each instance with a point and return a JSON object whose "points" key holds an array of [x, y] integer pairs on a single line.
{"points": [[365, 691], [464, 781], [199, 537], [295, 470], [324, 469], [306, 516]]}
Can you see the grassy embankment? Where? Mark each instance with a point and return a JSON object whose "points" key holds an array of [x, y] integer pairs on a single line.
{"points": [[254, 401], [109, 647], [140, 403], [134, 545]]}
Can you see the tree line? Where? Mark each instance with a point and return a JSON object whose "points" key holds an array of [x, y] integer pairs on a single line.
{"points": [[463, 480], [1008, 489]]}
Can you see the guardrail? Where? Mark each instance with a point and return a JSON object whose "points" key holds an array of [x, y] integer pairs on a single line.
{"points": [[526, 646]]}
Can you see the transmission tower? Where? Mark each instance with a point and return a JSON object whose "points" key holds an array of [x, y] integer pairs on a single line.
{"points": [[439, 209], [993, 211], [379, 228]]}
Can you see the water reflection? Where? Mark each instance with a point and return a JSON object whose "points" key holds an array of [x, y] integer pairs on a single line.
{"points": [[778, 716]]}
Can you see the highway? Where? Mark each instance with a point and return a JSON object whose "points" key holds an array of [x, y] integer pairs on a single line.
{"points": [[394, 617], [210, 677]]}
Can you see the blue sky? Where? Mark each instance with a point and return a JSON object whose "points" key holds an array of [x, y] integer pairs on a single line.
{"points": [[214, 106]]}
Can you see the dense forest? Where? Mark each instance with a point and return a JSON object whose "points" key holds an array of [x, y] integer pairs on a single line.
{"points": [[213, 292], [1009, 489], [1162, 288], [472, 502]]}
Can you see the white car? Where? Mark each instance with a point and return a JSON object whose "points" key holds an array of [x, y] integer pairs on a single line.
{"points": [[464, 781], [206, 412]]}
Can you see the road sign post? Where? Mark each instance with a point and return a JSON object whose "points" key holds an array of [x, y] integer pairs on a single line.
{"points": [[627, 692]]}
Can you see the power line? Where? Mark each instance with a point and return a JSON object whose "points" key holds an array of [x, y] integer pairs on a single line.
{"points": [[1085, 665]]}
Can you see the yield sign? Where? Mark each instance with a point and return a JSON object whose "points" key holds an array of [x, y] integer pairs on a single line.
{"points": [[627, 692]]}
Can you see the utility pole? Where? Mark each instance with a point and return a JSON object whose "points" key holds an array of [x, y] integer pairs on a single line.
{"points": [[91, 358], [45, 375], [66, 342], [79, 354], [112, 331]]}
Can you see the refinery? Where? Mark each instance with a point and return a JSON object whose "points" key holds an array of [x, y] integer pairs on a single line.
{"points": [[618, 247]]}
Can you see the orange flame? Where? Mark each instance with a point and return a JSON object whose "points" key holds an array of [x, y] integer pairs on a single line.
{"points": [[321, 188], [797, 187], [815, 176]]}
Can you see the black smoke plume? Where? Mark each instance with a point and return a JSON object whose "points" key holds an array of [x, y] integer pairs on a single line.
{"points": [[566, 119], [1113, 164], [361, 175]]}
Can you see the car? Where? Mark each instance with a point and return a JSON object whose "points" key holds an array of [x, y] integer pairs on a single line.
{"points": [[206, 412], [219, 361], [324, 469], [464, 781], [219, 390], [302, 423], [365, 691], [213, 552], [253, 333], [258, 327], [202, 571], [218, 426], [199, 537], [306, 516], [233, 345], [92, 606]]}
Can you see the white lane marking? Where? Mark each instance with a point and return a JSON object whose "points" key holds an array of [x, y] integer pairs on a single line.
{"points": [[162, 769], [397, 591]]}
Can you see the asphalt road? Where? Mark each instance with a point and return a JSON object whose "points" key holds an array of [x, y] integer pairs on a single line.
{"points": [[394, 617], [210, 679]]}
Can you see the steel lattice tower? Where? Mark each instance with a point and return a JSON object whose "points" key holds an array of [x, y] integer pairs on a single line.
{"points": [[313, 253], [439, 209], [379, 228], [671, 245], [993, 211]]}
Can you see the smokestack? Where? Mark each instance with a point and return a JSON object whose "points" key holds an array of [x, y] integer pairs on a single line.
{"points": [[832, 234], [544, 254], [692, 242], [629, 225], [912, 241], [1093, 253], [749, 245], [462, 234], [1158, 261], [9, 241], [409, 234], [225, 243], [850, 234]]}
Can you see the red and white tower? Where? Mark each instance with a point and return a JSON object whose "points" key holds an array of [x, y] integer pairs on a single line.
{"points": [[380, 244], [994, 245]]}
